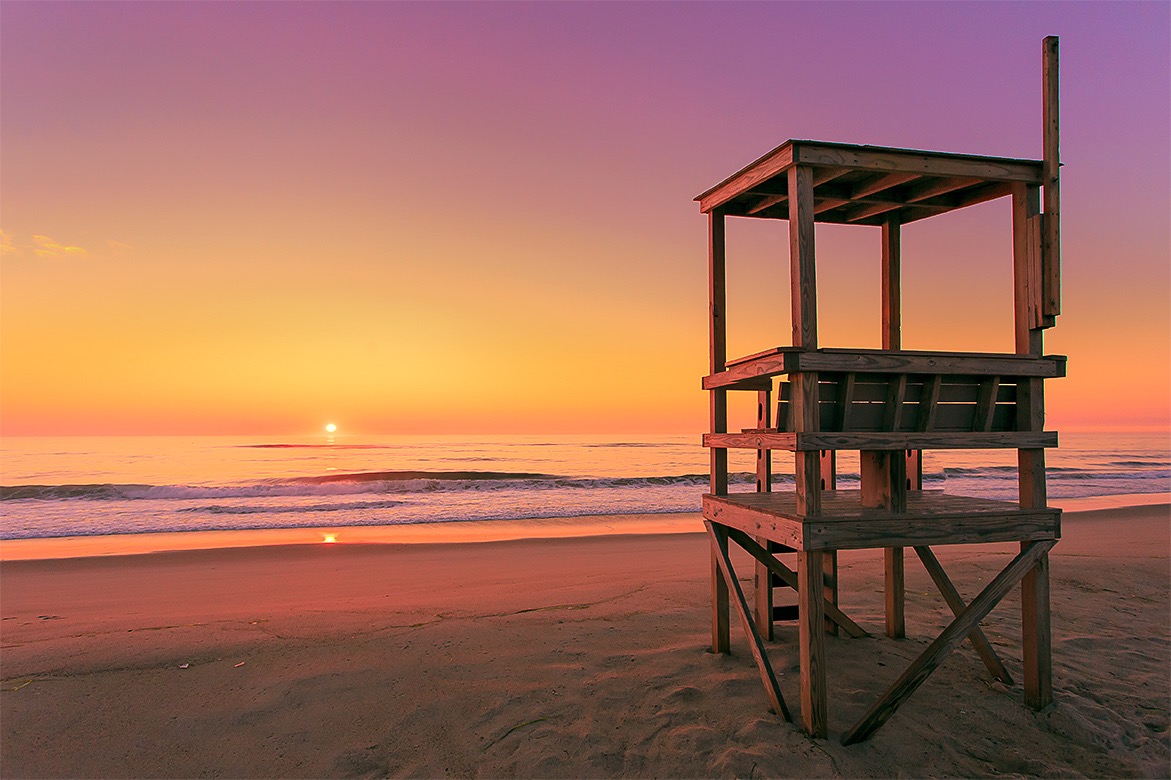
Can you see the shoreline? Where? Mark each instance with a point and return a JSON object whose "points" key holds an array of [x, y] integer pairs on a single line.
{"points": [[453, 532]]}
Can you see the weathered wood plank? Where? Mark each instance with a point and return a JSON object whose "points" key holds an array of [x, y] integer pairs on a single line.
{"points": [[986, 404], [1036, 642], [873, 158], [929, 405], [896, 392], [1051, 180], [844, 524], [745, 179], [802, 263], [956, 603], [719, 540], [883, 440], [762, 578], [892, 307], [847, 400], [953, 635], [910, 362], [718, 417], [803, 285], [894, 588], [811, 643]]}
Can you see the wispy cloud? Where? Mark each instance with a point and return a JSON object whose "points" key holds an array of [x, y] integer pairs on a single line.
{"points": [[43, 246], [6, 245]]}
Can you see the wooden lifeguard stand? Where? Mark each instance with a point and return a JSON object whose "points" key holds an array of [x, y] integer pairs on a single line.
{"points": [[890, 405]]}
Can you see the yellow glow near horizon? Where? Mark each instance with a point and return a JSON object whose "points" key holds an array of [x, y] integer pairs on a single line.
{"points": [[330, 428]]}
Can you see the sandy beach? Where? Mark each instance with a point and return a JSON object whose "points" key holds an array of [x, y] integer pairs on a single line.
{"points": [[554, 657]]}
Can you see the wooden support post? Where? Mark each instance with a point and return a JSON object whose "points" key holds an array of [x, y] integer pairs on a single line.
{"points": [[803, 283], [810, 564], [717, 331], [762, 579], [878, 490], [1035, 621], [811, 631], [829, 483]]}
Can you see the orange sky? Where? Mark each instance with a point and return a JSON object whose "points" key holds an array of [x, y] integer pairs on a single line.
{"points": [[229, 218]]}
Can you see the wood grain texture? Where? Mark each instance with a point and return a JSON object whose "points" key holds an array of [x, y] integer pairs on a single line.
{"points": [[721, 633], [802, 259], [956, 603], [891, 282], [937, 651], [789, 578], [931, 518], [811, 643], [1051, 241], [1036, 644], [894, 589], [772, 690]]}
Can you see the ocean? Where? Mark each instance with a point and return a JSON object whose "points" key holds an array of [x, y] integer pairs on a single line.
{"points": [[65, 486]]}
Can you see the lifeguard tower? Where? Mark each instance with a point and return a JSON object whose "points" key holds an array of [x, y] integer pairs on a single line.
{"points": [[890, 405]]}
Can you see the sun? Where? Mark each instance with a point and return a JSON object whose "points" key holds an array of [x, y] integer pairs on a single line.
{"points": [[330, 427]]}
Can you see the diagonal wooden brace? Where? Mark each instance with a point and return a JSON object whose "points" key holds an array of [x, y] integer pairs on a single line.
{"points": [[955, 601], [951, 637], [789, 577], [719, 535]]}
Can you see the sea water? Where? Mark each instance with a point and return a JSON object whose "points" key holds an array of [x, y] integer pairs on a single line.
{"points": [[60, 486]]}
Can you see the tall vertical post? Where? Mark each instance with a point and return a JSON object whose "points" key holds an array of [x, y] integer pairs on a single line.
{"points": [[718, 341], [763, 578], [1051, 236], [884, 473], [1035, 626], [810, 564]]}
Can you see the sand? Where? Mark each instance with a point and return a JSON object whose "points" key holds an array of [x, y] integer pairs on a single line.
{"points": [[554, 657]]}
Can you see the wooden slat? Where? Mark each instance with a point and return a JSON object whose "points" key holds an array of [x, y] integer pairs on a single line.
{"points": [[881, 183], [811, 643], [894, 402], [929, 405], [986, 405], [767, 202], [908, 362], [789, 578], [847, 401], [956, 603], [771, 688], [953, 635], [933, 188]]}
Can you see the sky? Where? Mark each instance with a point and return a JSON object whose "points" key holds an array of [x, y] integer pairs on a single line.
{"points": [[237, 218]]}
